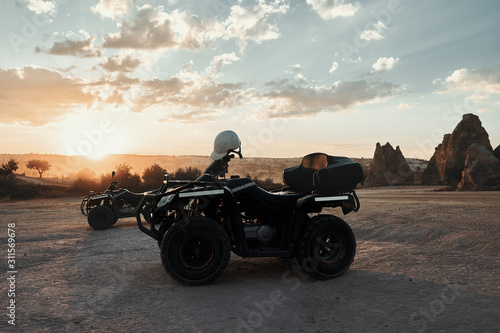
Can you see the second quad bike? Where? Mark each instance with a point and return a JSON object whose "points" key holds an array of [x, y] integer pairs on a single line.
{"points": [[103, 209], [198, 224]]}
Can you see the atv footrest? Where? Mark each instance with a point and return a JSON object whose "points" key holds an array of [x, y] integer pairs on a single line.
{"points": [[267, 252]]}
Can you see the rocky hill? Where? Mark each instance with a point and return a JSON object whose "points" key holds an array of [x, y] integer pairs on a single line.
{"points": [[449, 160], [388, 167]]}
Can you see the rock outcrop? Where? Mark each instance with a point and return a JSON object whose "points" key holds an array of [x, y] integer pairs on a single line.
{"points": [[482, 169], [447, 163], [496, 152], [388, 167], [434, 173]]}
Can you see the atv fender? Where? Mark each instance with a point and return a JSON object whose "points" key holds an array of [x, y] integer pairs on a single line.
{"points": [[172, 200], [96, 200], [231, 207], [304, 206], [314, 204]]}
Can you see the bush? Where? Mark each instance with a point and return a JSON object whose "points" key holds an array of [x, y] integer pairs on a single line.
{"points": [[153, 176], [130, 181], [188, 173], [6, 186], [83, 186], [24, 193], [133, 183], [267, 184]]}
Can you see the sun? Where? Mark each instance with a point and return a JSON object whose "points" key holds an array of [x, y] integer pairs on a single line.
{"points": [[111, 143], [94, 139], [98, 154]]}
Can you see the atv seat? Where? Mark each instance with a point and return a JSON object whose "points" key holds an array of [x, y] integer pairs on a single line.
{"points": [[322, 173], [130, 197], [240, 186], [277, 199]]}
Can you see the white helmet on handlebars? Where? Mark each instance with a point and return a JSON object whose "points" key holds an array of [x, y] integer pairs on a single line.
{"points": [[224, 141]]}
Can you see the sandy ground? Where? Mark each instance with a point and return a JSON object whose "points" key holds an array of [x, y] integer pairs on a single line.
{"points": [[426, 261]]}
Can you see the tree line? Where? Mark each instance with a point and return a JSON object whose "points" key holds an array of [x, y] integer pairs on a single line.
{"points": [[17, 190], [12, 165], [87, 180], [151, 178]]}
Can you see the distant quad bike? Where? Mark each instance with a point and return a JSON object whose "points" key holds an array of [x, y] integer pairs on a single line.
{"points": [[103, 209], [198, 223]]}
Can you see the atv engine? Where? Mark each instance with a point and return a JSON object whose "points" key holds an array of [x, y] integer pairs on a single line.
{"points": [[263, 233]]}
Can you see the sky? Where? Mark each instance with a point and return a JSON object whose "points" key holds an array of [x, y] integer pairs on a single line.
{"points": [[98, 77]]}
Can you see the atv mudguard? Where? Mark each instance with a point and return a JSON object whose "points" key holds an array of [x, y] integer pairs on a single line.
{"points": [[95, 200], [315, 203], [173, 200]]}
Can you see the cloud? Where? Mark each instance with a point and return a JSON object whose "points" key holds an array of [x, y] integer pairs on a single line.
{"points": [[403, 106], [120, 81], [194, 116], [186, 94], [478, 97], [77, 48], [331, 9], [219, 60], [384, 64], [113, 8], [334, 67], [37, 96], [152, 28], [300, 79], [352, 61], [483, 110], [210, 95], [41, 7], [485, 80], [115, 98], [257, 23], [375, 34], [288, 100], [118, 63]]}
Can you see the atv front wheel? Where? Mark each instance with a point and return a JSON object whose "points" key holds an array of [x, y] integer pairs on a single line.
{"points": [[101, 217], [327, 247], [195, 250]]}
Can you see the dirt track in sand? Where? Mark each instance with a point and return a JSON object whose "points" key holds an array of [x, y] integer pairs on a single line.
{"points": [[426, 261]]}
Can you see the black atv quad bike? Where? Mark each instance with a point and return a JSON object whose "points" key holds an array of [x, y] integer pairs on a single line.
{"points": [[197, 224], [103, 209]]}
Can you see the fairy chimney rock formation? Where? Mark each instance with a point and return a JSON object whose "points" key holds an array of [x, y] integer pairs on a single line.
{"points": [[496, 152], [388, 167], [482, 170], [447, 163], [434, 172]]}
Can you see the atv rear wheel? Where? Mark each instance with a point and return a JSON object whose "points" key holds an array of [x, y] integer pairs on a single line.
{"points": [[101, 217], [195, 250], [327, 247]]}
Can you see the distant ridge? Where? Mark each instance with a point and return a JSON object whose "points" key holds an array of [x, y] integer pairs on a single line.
{"points": [[67, 166]]}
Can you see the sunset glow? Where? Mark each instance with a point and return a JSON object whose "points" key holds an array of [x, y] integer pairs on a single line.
{"points": [[102, 77]]}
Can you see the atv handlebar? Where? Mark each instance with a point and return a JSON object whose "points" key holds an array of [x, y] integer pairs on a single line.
{"points": [[112, 185], [219, 168], [230, 151]]}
